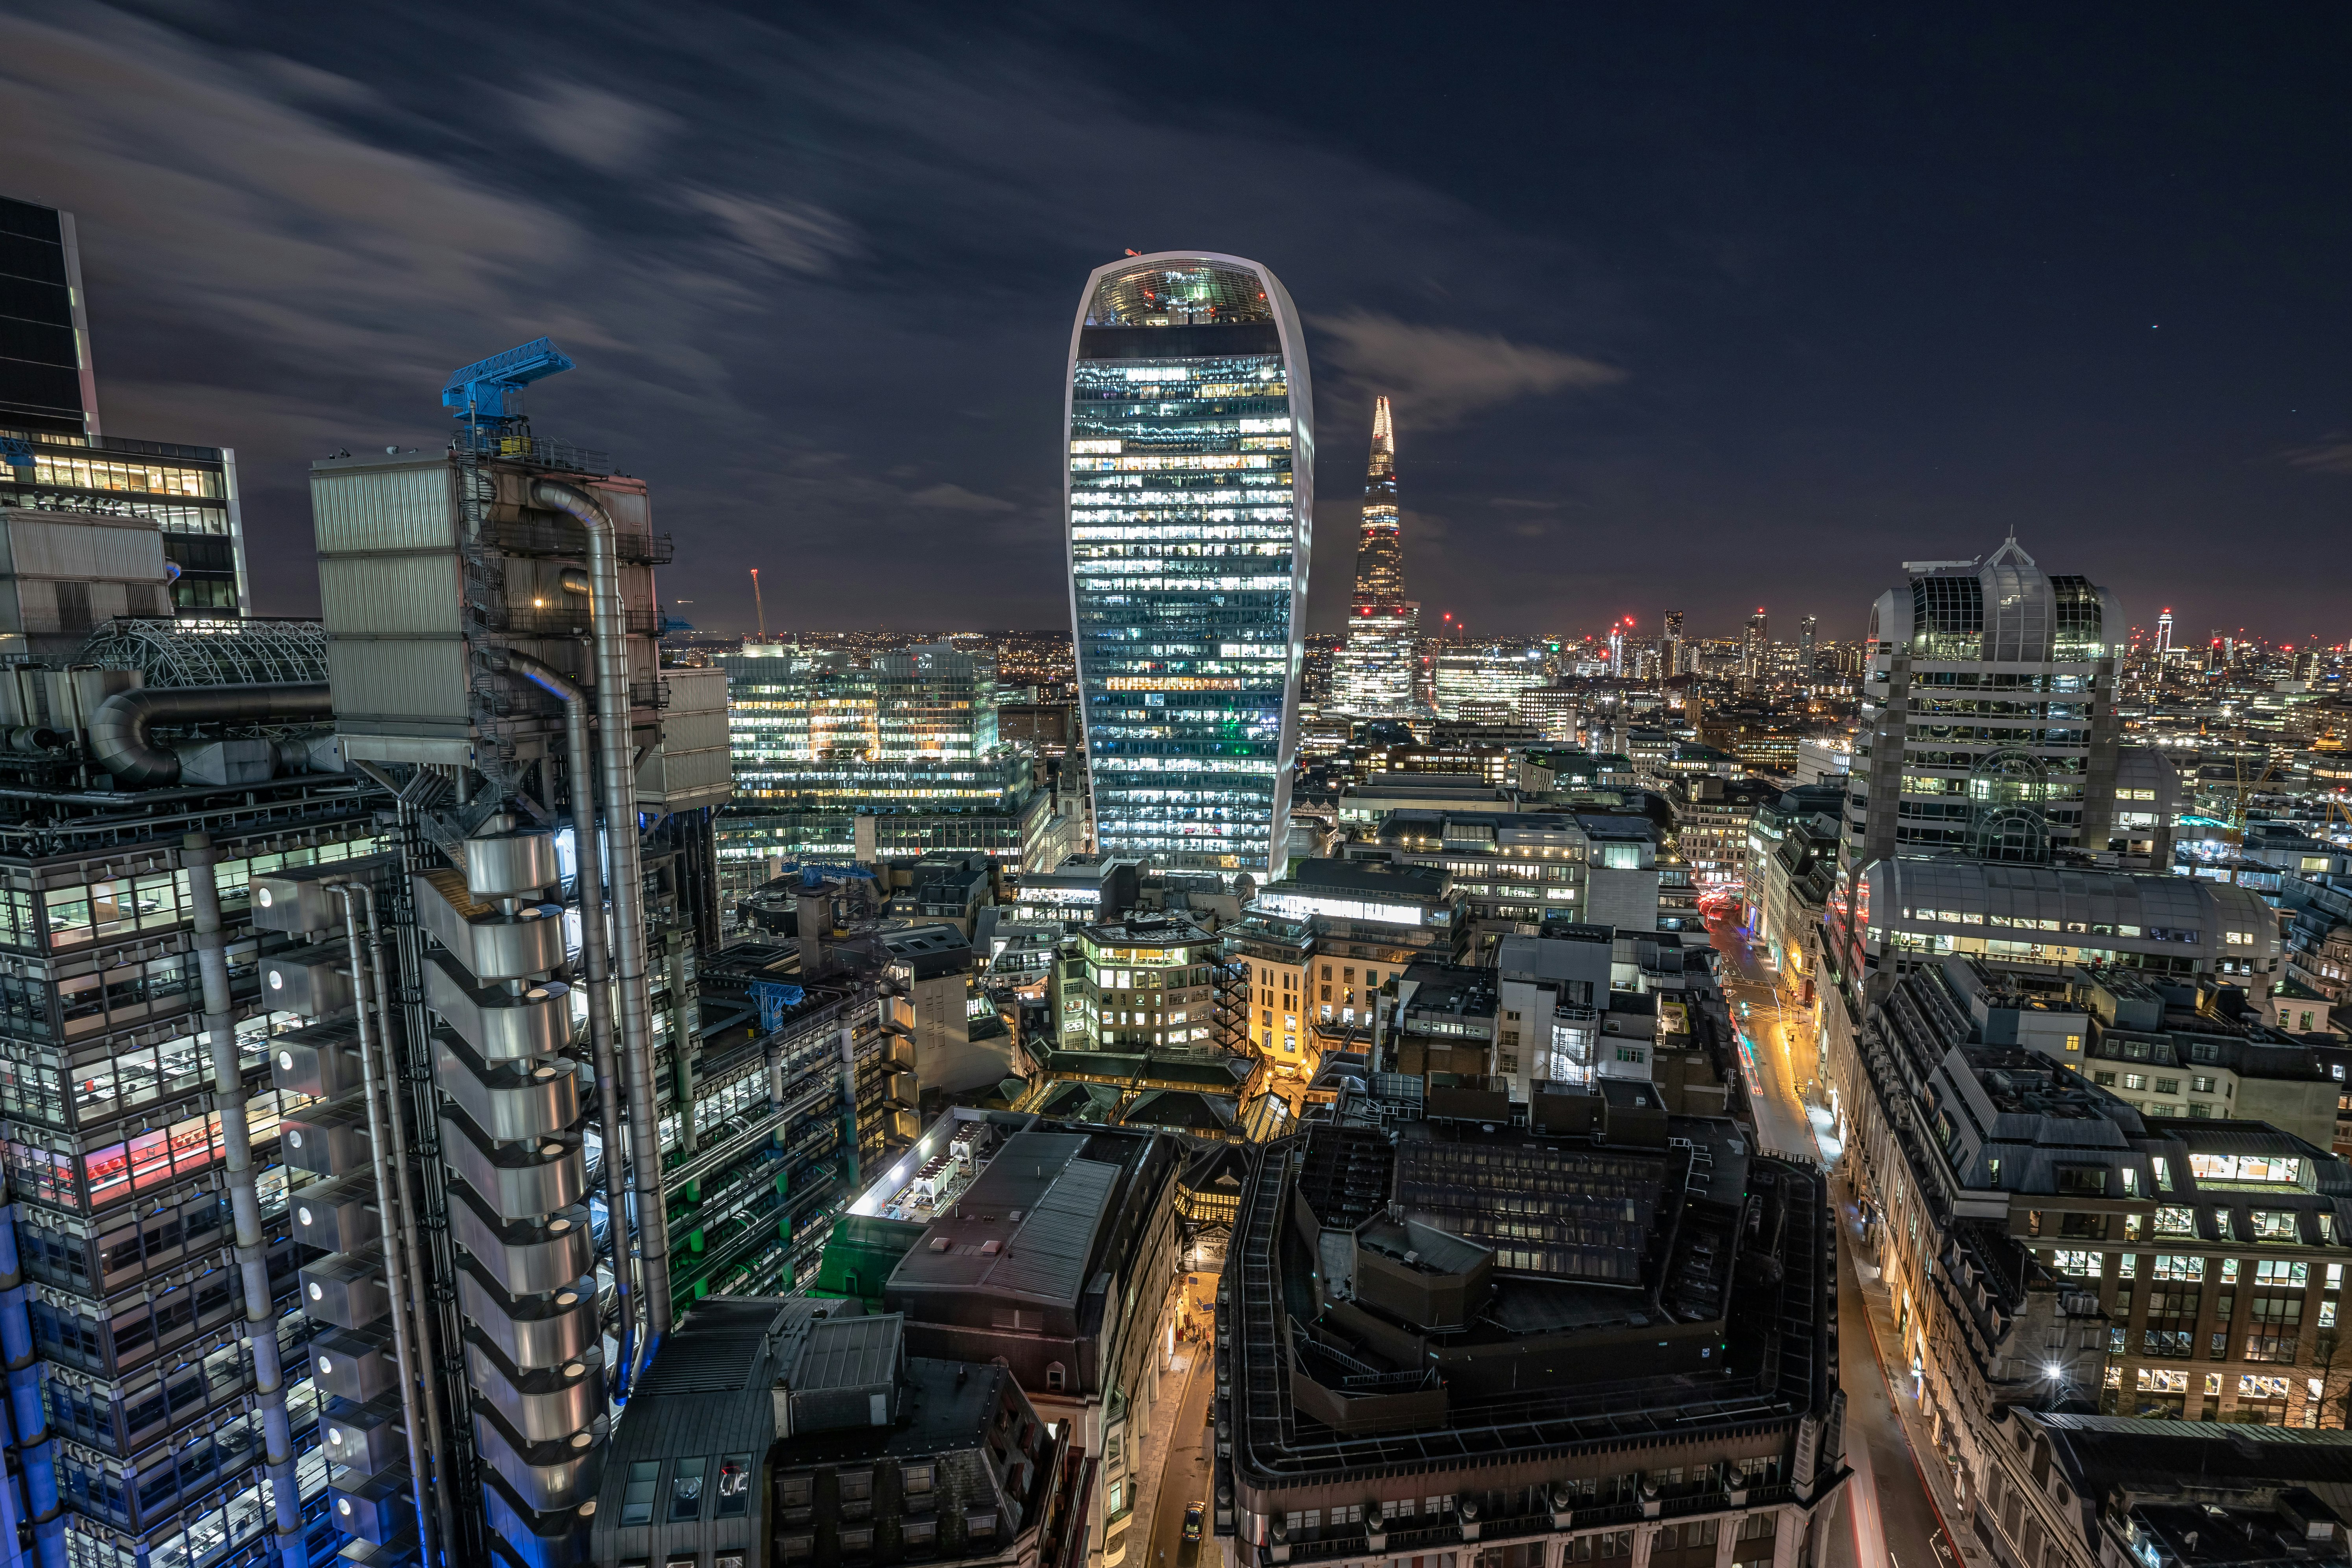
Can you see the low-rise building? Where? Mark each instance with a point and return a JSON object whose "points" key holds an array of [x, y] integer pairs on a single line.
{"points": [[1563, 1347], [2045, 1240], [798, 1431], [1044, 1248], [2318, 932], [2054, 917], [1789, 884], [1369, 920], [2103, 1489], [1711, 824], [1515, 871], [1150, 980]]}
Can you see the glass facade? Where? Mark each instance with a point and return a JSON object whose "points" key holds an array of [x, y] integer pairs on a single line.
{"points": [[1191, 500], [115, 1149], [48, 400], [820, 739], [41, 384], [1485, 683]]}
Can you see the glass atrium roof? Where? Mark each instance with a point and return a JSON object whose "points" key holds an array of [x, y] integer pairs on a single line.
{"points": [[1156, 294]]}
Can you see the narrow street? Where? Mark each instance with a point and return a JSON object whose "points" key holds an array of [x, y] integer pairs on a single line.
{"points": [[1178, 1449], [1893, 1519]]}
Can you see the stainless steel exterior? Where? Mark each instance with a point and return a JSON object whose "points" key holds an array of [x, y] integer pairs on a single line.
{"points": [[633, 1002]]}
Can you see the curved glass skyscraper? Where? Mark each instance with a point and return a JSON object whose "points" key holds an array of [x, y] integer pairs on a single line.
{"points": [[1191, 500]]}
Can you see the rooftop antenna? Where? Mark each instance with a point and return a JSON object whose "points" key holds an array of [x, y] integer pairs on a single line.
{"points": [[759, 604]]}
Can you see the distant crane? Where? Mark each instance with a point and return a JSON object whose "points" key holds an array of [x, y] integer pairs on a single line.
{"points": [[478, 393], [2243, 792]]}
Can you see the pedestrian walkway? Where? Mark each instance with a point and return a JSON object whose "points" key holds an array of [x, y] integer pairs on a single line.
{"points": [[1886, 1345], [1151, 1455]]}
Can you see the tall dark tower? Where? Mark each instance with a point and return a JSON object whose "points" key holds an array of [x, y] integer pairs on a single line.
{"points": [[45, 383], [1376, 669]]}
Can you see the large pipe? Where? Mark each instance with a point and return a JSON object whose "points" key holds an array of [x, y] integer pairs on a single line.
{"points": [[199, 857], [118, 731], [412, 1227], [613, 740], [597, 973], [394, 1273]]}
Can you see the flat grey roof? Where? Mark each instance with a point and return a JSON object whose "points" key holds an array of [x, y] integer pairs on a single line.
{"points": [[1369, 876], [849, 1353], [1062, 1201]]}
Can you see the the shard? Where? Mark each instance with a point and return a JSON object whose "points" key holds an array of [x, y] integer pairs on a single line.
{"points": [[1375, 676]]}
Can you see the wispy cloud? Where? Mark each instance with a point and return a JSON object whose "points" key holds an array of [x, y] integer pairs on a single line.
{"points": [[955, 497], [608, 133], [791, 321], [2332, 456], [791, 235], [1439, 374]]}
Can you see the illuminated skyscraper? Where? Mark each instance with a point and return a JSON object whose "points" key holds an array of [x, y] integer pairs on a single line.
{"points": [[2164, 634], [1988, 724], [1674, 642], [1375, 678], [1191, 503], [1757, 647]]}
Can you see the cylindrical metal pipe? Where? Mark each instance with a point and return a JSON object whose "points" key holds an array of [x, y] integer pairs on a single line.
{"points": [[614, 743], [412, 1227], [597, 973], [198, 858], [403, 1360], [118, 741]]}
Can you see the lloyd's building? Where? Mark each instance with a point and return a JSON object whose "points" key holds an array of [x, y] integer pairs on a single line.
{"points": [[1190, 495]]}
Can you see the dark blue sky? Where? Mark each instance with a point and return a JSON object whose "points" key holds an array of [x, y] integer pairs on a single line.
{"points": [[1692, 309]]}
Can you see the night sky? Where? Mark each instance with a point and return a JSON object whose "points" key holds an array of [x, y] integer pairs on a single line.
{"points": [[1695, 309]]}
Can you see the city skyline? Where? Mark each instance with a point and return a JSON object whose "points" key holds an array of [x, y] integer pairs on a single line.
{"points": [[564, 1057], [1658, 346]]}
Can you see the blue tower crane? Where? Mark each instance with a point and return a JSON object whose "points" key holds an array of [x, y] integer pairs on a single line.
{"points": [[479, 391]]}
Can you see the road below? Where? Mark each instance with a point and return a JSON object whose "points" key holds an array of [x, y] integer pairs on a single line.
{"points": [[1893, 1522], [1183, 1447]]}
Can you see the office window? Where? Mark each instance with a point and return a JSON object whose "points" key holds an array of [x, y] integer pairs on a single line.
{"points": [[735, 1473], [686, 1490], [638, 1497]]}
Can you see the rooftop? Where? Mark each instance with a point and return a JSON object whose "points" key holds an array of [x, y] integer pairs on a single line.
{"points": [[1025, 1225]]}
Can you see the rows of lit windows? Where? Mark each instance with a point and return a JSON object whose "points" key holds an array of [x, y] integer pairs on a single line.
{"points": [[111, 907], [114, 474], [1210, 528], [1151, 550]]}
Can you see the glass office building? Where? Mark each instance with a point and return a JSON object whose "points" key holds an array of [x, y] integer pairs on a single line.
{"points": [[907, 742], [1191, 499], [58, 460]]}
